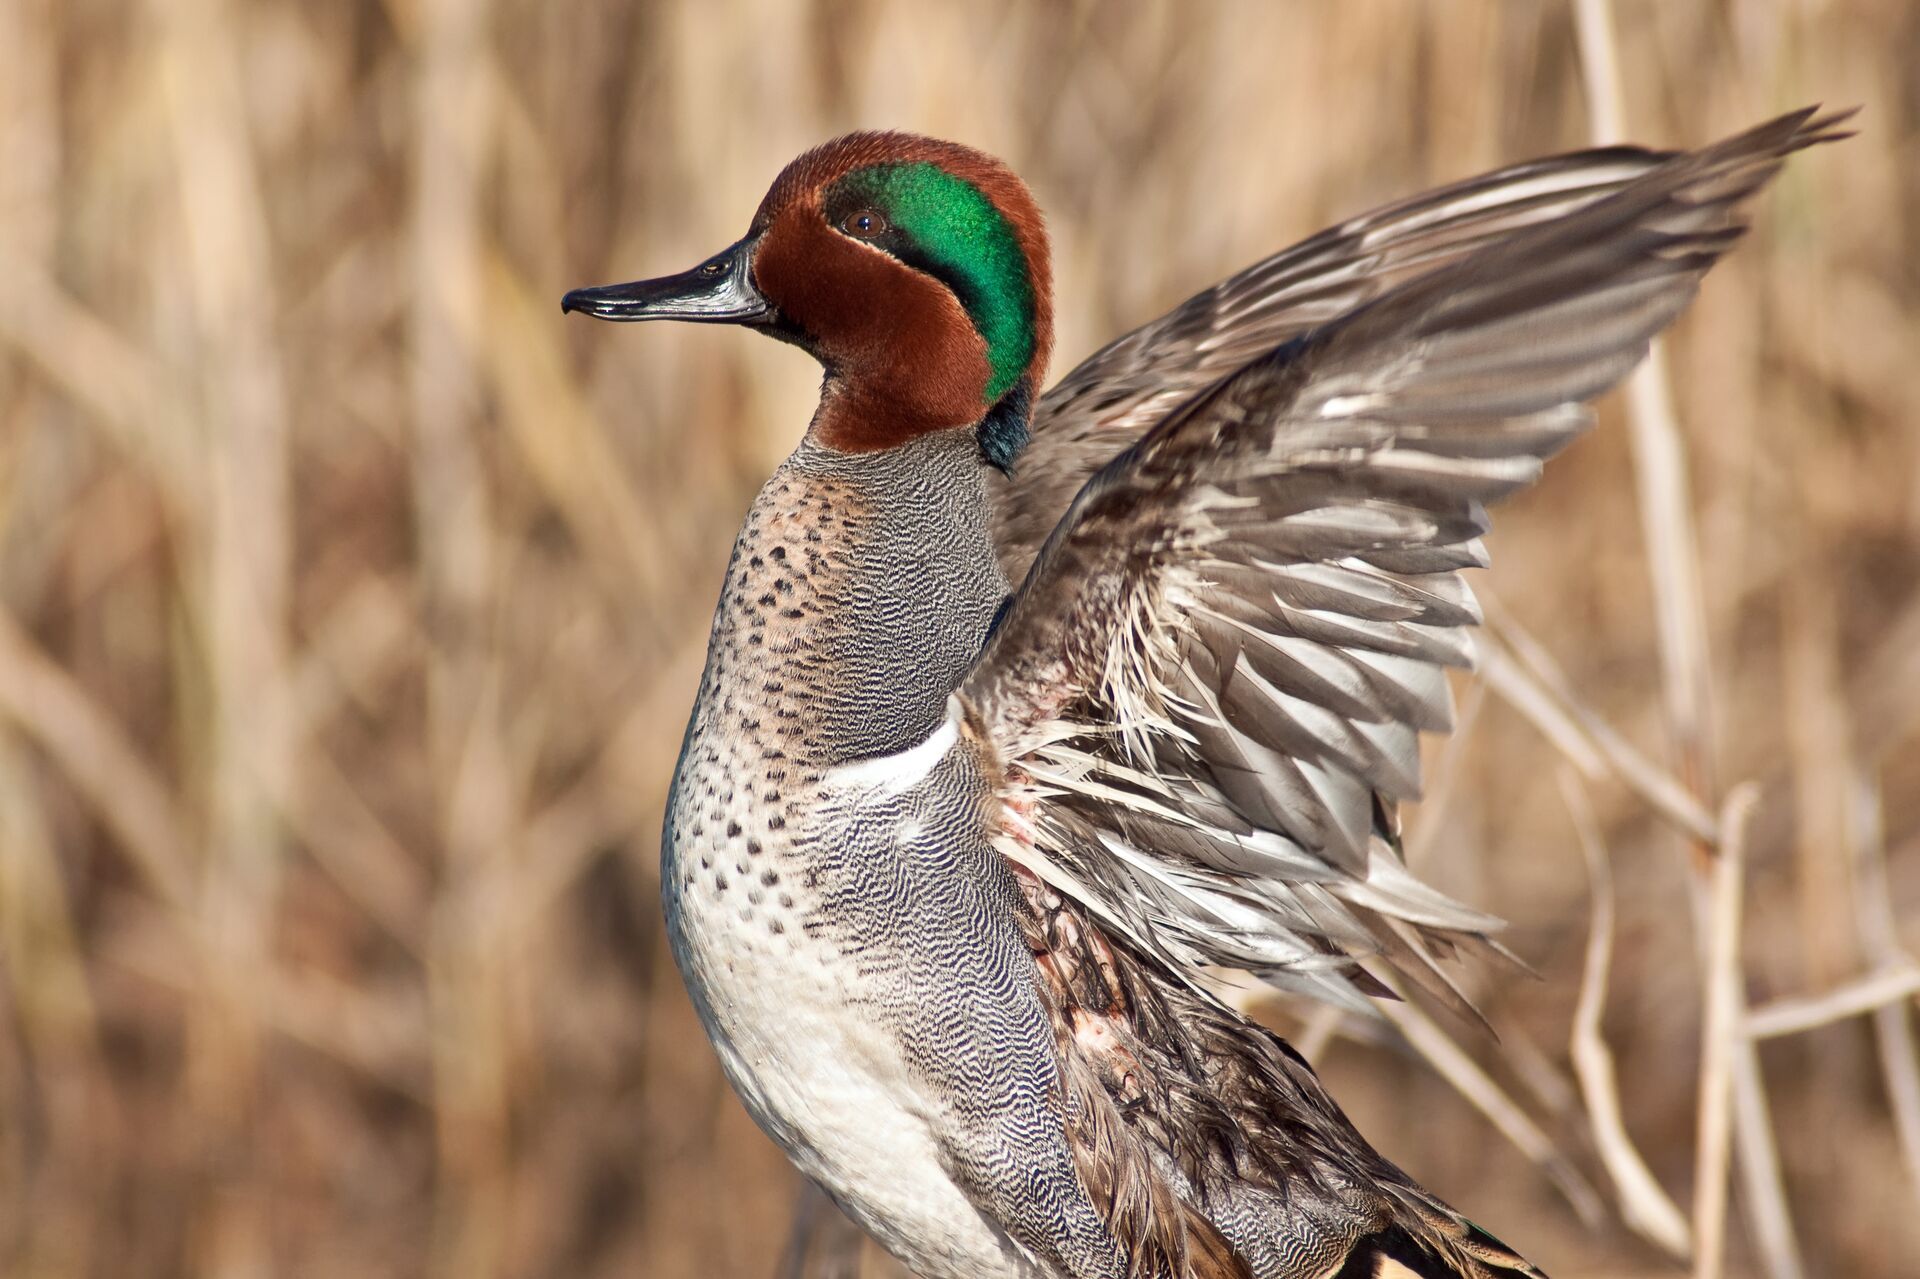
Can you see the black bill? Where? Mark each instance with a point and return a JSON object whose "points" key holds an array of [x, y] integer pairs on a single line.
{"points": [[718, 291]]}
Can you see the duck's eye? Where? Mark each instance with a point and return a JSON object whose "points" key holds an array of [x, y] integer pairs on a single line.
{"points": [[864, 223]]}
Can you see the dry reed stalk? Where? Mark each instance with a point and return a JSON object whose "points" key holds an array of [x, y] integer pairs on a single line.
{"points": [[1884, 688], [1880, 940], [1721, 1037], [242, 567], [1443, 1053], [349, 840], [47, 997], [378, 1034], [321, 806], [556, 434], [454, 115], [1895, 984], [362, 644], [130, 798], [1644, 1205], [1821, 770], [1660, 460], [1547, 1082], [129, 396], [38, 934], [562, 837], [1452, 1063], [1519, 670], [1660, 471], [1322, 1024]]}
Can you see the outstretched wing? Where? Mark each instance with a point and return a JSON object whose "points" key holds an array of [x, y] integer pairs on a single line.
{"points": [[1133, 382], [1207, 693]]}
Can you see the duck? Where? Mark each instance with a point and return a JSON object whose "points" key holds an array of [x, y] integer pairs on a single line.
{"points": [[1033, 717]]}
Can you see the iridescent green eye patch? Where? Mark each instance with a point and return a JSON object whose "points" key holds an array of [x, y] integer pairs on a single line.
{"points": [[946, 226]]}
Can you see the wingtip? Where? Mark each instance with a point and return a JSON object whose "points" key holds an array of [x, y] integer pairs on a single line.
{"points": [[1812, 126], [1819, 129], [1782, 135]]}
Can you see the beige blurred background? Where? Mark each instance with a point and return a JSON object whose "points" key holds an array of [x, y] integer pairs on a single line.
{"points": [[353, 600]]}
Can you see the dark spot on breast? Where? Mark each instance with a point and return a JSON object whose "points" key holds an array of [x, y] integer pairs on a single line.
{"points": [[786, 901], [776, 822], [753, 848], [775, 927], [769, 877], [779, 552], [719, 883], [733, 830]]}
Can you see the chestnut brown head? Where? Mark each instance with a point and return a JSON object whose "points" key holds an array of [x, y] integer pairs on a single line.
{"points": [[915, 270]]}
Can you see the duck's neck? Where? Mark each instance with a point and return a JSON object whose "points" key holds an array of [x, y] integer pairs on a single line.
{"points": [[859, 416], [872, 579]]}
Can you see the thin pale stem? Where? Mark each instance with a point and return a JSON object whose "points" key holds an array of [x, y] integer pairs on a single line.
{"points": [[1666, 515], [1454, 1065], [1644, 1204], [1889, 986], [1720, 1041]]}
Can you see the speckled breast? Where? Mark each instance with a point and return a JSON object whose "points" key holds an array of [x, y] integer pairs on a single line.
{"points": [[808, 918], [860, 589]]}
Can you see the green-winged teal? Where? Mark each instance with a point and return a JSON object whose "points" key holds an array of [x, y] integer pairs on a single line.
{"points": [[1025, 711]]}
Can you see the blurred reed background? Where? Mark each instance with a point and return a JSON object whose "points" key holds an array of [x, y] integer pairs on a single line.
{"points": [[353, 603]]}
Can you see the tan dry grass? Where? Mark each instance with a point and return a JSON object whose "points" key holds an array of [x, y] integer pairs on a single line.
{"points": [[353, 602]]}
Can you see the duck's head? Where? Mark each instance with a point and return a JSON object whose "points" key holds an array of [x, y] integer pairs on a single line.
{"points": [[916, 271]]}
